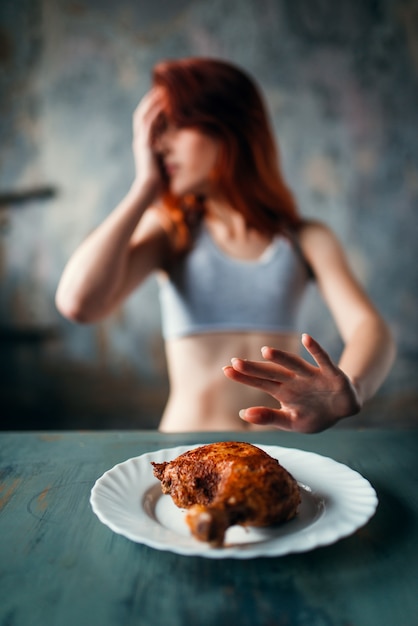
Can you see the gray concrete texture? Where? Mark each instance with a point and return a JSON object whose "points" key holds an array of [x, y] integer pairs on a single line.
{"points": [[340, 81]]}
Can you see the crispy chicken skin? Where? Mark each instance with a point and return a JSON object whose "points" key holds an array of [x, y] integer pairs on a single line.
{"points": [[227, 483]]}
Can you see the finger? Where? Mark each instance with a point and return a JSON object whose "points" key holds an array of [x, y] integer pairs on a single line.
{"points": [[322, 358], [270, 387], [287, 360], [143, 105], [260, 369], [149, 107], [145, 118], [264, 416], [154, 95]]}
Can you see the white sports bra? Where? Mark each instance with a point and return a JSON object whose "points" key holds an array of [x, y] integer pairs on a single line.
{"points": [[209, 291]]}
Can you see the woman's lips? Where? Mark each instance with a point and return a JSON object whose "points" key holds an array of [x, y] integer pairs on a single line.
{"points": [[171, 168]]}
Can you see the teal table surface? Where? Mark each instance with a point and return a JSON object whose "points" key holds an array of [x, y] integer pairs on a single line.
{"points": [[59, 565]]}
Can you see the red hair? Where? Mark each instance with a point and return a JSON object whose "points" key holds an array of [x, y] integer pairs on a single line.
{"points": [[220, 100]]}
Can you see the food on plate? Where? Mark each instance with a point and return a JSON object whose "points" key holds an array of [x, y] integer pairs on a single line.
{"points": [[228, 483]]}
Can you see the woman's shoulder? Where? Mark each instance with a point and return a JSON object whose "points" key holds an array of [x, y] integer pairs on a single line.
{"points": [[157, 223], [314, 233], [319, 244], [310, 228]]}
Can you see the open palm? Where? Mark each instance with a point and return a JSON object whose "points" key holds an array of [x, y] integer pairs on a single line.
{"points": [[311, 397]]}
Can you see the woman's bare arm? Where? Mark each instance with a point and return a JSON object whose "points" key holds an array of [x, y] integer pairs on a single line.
{"points": [[314, 397], [126, 247], [110, 262], [369, 348]]}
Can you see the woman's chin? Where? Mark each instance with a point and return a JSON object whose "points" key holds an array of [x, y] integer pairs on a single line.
{"points": [[180, 190]]}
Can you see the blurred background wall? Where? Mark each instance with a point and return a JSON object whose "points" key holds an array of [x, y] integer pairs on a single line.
{"points": [[340, 80]]}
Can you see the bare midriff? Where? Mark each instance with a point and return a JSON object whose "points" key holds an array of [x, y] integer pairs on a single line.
{"points": [[201, 397]]}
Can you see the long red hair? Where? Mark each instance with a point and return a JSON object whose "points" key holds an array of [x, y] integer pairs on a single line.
{"points": [[220, 100]]}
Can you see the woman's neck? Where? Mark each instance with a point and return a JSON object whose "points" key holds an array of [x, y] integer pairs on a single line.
{"points": [[231, 232], [223, 218]]}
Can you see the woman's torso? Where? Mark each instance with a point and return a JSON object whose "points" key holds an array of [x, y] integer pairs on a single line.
{"points": [[216, 305], [201, 397]]}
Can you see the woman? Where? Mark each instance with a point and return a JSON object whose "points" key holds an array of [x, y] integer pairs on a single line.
{"points": [[209, 211]]}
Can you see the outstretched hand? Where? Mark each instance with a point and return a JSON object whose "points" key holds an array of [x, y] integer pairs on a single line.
{"points": [[311, 398]]}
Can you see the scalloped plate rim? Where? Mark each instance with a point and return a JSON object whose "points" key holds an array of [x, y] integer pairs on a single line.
{"points": [[344, 500]]}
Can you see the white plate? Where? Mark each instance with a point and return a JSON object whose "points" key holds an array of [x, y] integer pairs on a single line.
{"points": [[336, 501]]}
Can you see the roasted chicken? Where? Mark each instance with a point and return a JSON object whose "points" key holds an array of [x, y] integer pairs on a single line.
{"points": [[228, 483]]}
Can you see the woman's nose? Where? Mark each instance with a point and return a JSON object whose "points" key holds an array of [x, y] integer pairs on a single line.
{"points": [[163, 145]]}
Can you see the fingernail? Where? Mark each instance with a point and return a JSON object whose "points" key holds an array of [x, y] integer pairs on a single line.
{"points": [[242, 413]]}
